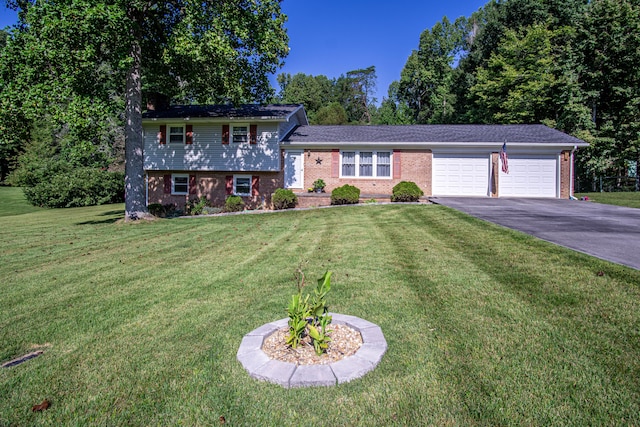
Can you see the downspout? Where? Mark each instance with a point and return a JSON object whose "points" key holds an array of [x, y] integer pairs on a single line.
{"points": [[146, 188], [571, 173]]}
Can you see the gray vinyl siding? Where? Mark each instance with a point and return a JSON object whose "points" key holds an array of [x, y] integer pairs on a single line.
{"points": [[207, 153]]}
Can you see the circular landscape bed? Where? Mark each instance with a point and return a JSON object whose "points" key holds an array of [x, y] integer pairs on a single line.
{"points": [[265, 358]]}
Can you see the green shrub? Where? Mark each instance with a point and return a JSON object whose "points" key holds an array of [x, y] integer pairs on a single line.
{"points": [[345, 195], [284, 199], [196, 206], [406, 191], [77, 187], [234, 204], [156, 209]]}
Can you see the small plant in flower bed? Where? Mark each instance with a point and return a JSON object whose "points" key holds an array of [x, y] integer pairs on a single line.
{"points": [[234, 204], [284, 199], [196, 206], [308, 315], [406, 191], [345, 195]]}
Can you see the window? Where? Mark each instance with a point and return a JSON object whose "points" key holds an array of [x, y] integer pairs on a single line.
{"points": [[349, 163], [176, 134], [242, 185], [383, 164], [179, 184], [366, 163], [374, 164], [240, 133]]}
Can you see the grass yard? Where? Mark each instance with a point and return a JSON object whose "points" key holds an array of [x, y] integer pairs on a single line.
{"points": [[12, 202], [140, 323], [630, 199]]}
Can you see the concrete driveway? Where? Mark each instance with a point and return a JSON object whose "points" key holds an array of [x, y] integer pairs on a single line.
{"points": [[604, 231]]}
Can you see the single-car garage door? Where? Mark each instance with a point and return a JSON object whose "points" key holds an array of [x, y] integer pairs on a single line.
{"points": [[460, 174], [530, 176]]}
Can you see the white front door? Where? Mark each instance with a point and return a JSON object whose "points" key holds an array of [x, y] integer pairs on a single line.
{"points": [[293, 169]]}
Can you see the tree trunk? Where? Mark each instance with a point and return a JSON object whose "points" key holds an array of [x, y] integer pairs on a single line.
{"points": [[134, 192]]}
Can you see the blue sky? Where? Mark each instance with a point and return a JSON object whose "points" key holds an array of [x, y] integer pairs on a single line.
{"points": [[332, 37]]}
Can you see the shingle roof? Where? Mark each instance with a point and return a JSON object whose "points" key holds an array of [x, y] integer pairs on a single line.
{"points": [[539, 134], [272, 111]]}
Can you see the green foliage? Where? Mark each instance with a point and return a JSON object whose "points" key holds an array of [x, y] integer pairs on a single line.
{"points": [[319, 184], [306, 317], [427, 77], [234, 204], [332, 114], [168, 210], [345, 195], [284, 199], [77, 187], [196, 206], [406, 191]]}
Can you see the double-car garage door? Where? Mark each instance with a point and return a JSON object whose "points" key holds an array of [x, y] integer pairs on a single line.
{"points": [[530, 175]]}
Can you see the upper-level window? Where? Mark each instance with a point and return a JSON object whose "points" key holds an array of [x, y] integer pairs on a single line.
{"points": [[240, 133], [365, 164], [176, 134]]}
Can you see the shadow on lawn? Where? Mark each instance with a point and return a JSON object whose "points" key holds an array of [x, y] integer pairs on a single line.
{"points": [[115, 215]]}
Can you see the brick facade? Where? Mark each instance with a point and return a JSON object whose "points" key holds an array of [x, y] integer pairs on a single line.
{"points": [[212, 185], [566, 183], [415, 165]]}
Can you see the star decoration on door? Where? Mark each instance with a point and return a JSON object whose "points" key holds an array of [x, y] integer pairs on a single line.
{"points": [[318, 161]]}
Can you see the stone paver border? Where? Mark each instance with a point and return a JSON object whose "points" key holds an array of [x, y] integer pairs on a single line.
{"points": [[288, 375]]}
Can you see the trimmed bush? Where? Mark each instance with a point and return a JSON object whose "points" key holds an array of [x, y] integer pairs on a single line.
{"points": [[345, 195], [284, 199], [406, 191], [234, 204], [77, 187]]}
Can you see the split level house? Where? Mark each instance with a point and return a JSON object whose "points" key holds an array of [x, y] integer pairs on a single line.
{"points": [[251, 150]]}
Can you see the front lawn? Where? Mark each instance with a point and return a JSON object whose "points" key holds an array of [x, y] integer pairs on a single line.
{"points": [[630, 199], [13, 202], [140, 323]]}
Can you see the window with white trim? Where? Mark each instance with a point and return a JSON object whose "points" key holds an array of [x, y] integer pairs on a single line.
{"points": [[176, 134], [242, 185], [179, 184], [366, 164], [240, 133]]}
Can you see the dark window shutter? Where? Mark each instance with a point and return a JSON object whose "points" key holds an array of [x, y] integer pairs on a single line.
{"points": [[225, 134], [189, 132], [193, 188], [162, 135], [253, 134], [255, 185], [229, 184], [397, 164], [335, 163], [167, 184]]}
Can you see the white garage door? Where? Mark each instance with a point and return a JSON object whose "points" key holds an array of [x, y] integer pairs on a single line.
{"points": [[530, 176], [460, 174]]}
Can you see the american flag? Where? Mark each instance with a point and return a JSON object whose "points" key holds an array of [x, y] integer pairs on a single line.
{"points": [[504, 158]]}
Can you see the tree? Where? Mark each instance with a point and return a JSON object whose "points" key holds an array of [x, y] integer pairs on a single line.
{"points": [[314, 92], [208, 51], [425, 81], [332, 114], [610, 39]]}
